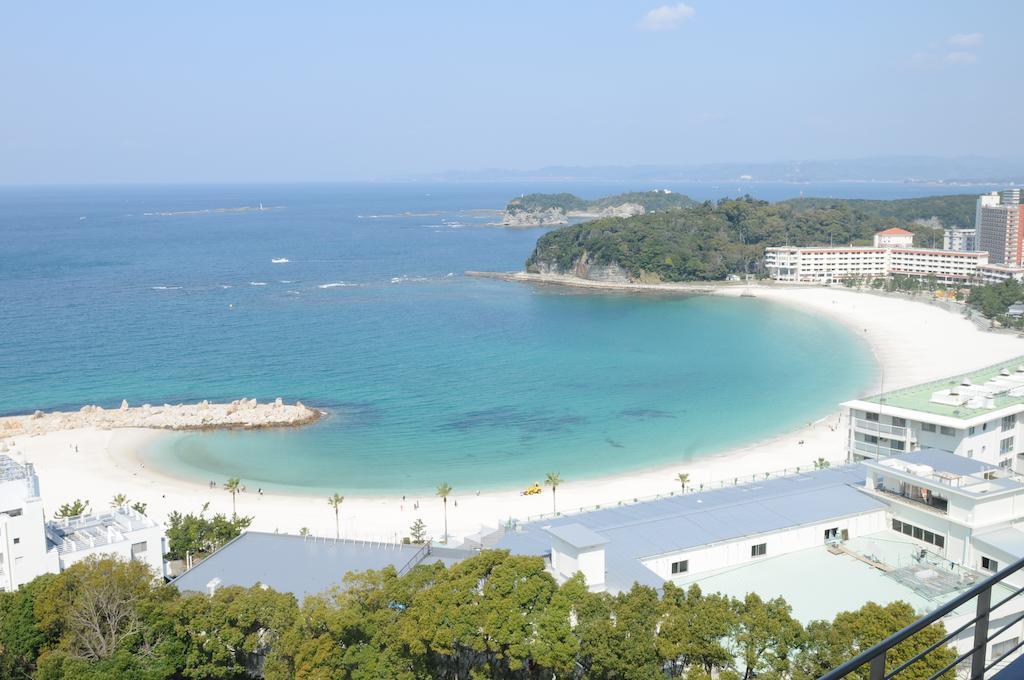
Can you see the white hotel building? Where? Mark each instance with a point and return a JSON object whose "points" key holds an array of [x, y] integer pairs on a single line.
{"points": [[979, 415], [31, 546], [892, 254]]}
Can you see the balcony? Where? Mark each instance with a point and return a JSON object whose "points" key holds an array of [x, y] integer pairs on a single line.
{"points": [[936, 504], [874, 427], [874, 450]]}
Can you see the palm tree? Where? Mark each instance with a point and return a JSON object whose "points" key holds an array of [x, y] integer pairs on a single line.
{"points": [[233, 486], [444, 491], [821, 464], [335, 502], [119, 501], [684, 479], [553, 480]]}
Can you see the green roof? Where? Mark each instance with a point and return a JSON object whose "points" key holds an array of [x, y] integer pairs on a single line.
{"points": [[918, 397]]}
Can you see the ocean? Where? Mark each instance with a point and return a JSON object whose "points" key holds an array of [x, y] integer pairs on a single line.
{"points": [[169, 294]]}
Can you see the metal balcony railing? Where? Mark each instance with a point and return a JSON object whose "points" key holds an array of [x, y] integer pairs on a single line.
{"points": [[873, 427], [874, 658], [876, 450]]}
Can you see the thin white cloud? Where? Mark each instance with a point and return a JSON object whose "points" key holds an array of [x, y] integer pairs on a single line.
{"points": [[966, 40], [960, 58], [666, 17]]}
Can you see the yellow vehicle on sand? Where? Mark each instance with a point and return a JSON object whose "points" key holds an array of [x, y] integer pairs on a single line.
{"points": [[533, 489]]}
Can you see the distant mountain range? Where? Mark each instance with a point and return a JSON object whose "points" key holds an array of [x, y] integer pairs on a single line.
{"points": [[965, 169]]}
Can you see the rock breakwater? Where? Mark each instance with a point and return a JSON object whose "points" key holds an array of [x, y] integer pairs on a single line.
{"points": [[242, 413]]}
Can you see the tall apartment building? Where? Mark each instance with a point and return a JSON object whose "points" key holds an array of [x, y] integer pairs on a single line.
{"points": [[963, 240], [1000, 228]]}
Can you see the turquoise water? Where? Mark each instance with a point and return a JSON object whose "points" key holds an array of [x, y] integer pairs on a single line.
{"points": [[428, 376]]}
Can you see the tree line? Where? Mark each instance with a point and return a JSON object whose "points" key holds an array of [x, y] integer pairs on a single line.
{"points": [[712, 240], [491, 616], [994, 301]]}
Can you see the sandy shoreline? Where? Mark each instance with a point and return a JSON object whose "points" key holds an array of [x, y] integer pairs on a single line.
{"points": [[912, 341]]}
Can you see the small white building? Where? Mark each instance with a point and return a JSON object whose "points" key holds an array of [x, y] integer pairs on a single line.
{"points": [[31, 546], [977, 416], [894, 238]]}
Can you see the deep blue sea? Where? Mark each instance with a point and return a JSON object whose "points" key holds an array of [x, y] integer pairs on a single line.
{"points": [[428, 375]]}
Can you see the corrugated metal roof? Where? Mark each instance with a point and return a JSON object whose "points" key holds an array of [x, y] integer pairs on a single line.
{"points": [[302, 565], [647, 529]]}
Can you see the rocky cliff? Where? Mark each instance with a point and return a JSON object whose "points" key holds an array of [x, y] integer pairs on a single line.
{"points": [[555, 216]]}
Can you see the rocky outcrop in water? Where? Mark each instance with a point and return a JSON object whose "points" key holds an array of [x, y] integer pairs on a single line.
{"points": [[242, 413]]}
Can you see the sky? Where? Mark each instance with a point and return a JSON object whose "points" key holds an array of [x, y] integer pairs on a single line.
{"points": [[99, 92]]}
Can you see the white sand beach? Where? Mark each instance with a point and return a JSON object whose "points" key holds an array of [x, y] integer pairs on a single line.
{"points": [[913, 342]]}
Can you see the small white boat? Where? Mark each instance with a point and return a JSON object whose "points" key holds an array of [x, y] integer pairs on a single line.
{"points": [[279, 260]]}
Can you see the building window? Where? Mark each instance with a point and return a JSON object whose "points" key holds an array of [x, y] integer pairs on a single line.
{"points": [[928, 427], [1006, 445], [681, 567], [970, 453], [970, 430], [1009, 421], [948, 431], [868, 415], [919, 533], [138, 549], [899, 422], [1004, 647], [758, 550], [989, 564], [17, 541], [831, 533]]}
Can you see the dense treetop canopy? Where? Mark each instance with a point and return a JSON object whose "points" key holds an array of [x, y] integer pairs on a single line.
{"points": [[492, 616]]}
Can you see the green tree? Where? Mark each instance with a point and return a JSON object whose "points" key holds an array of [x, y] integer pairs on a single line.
{"points": [[119, 501], [21, 638], [197, 535], [139, 507], [418, 531], [73, 509], [553, 480], [226, 635], [444, 490], [335, 502], [828, 644], [821, 464], [683, 478], [766, 635], [696, 628], [233, 486]]}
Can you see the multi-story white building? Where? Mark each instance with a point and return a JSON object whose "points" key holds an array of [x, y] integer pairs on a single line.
{"points": [[997, 273], [31, 546], [977, 416], [832, 265], [959, 239], [1000, 227]]}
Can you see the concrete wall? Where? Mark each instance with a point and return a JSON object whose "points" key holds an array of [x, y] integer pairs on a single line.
{"points": [[734, 553]]}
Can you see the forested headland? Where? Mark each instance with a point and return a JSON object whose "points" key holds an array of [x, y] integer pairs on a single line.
{"points": [[712, 240]]}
